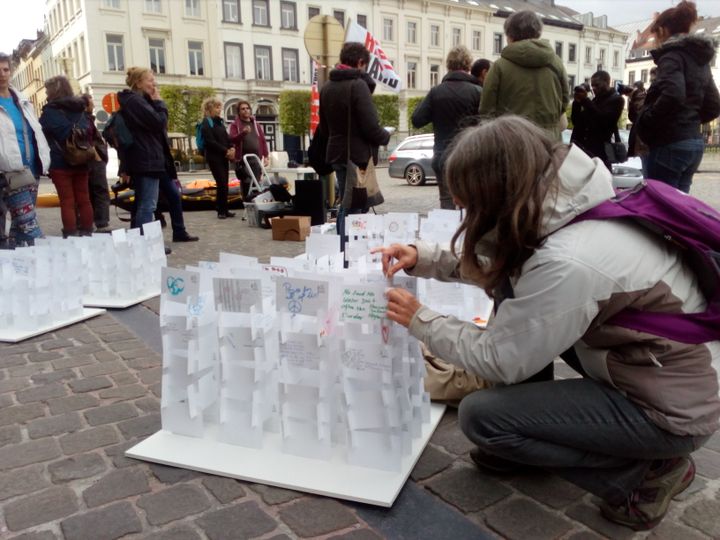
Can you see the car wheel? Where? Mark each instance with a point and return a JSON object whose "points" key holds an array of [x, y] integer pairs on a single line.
{"points": [[415, 175]]}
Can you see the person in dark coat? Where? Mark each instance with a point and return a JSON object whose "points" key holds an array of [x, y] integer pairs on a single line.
{"points": [[683, 97], [97, 176], [218, 150], [597, 117], [347, 96], [446, 105]]}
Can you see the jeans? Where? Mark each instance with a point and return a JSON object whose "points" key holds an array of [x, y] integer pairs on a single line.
{"points": [[146, 196], [72, 189], [676, 163], [19, 203], [99, 195], [446, 200], [584, 431], [170, 191]]}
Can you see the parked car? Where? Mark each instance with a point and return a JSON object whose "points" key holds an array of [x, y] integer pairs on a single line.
{"points": [[412, 158]]}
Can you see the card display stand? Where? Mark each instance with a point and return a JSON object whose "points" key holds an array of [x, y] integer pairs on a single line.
{"points": [[15, 335]]}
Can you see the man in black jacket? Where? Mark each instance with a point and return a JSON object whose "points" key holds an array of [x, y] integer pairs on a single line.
{"points": [[446, 105], [599, 116]]}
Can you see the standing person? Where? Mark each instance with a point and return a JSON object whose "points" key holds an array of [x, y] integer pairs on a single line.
{"points": [[446, 105], [218, 150], [529, 79], [248, 137], [635, 103], [480, 69], [62, 113], [97, 176], [683, 97], [22, 144], [347, 97], [625, 430], [597, 117]]}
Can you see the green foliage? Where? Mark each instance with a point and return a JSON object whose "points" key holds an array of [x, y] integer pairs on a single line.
{"points": [[413, 103], [184, 106], [295, 112], [388, 109]]}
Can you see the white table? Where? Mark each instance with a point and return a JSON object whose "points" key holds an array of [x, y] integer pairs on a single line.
{"points": [[299, 173]]}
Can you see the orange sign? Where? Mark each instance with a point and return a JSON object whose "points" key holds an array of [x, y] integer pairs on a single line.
{"points": [[110, 102]]}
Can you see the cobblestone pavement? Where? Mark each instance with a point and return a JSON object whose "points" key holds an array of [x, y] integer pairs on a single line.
{"points": [[72, 401]]}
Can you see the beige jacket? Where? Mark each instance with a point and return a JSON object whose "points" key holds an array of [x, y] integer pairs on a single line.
{"points": [[580, 277]]}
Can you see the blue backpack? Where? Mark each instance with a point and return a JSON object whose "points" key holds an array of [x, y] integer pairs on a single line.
{"points": [[116, 132], [199, 139]]}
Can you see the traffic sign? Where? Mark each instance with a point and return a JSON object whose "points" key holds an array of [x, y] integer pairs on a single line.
{"points": [[110, 103]]}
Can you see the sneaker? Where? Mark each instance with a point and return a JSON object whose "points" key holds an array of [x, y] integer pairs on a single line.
{"points": [[184, 237], [229, 214], [105, 229], [647, 504], [494, 464], [168, 251], [222, 216]]}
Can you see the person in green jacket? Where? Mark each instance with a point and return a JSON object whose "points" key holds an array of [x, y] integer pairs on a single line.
{"points": [[529, 79]]}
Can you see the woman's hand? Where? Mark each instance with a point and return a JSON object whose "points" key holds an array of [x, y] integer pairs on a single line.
{"points": [[406, 257], [402, 306], [230, 154]]}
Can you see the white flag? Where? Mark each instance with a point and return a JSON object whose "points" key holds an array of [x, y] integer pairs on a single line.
{"points": [[379, 68]]}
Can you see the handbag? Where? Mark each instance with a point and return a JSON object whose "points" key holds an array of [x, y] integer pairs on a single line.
{"points": [[448, 383], [23, 177], [616, 151], [78, 150], [317, 152]]}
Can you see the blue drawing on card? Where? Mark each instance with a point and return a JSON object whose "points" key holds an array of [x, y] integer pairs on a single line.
{"points": [[196, 309], [296, 295], [175, 285]]}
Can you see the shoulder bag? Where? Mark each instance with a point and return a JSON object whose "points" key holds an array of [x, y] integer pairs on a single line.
{"points": [[24, 177], [616, 151]]}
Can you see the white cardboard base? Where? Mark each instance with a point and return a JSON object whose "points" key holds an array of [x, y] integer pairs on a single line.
{"points": [[117, 303], [13, 335], [332, 478]]}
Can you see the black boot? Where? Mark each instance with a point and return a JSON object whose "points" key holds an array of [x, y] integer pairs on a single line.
{"points": [[184, 237]]}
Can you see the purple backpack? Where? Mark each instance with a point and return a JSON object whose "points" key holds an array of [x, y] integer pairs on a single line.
{"points": [[691, 226]]}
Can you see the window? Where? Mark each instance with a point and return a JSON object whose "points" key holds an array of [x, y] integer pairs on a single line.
{"points": [[559, 48], [631, 77], [153, 6], [113, 4], [456, 36], [362, 21], [412, 32], [434, 35], [497, 43], [288, 15], [234, 68], [263, 63], [192, 8], [115, 52], [313, 11], [339, 15], [477, 40], [571, 81], [602, 56], [261, 13], [434, 75], [588, 55], [388, 30], [616, 58], [644, 75], [290, 65], [572, 51], [231, 11], [195, 58], [412, 74], [157, 54]]}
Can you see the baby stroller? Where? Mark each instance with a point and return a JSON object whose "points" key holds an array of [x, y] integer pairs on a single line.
{"points": [[257, 185]]}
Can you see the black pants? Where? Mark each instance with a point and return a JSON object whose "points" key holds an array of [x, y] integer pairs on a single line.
{"points": [[99, 195], [220, 170]]}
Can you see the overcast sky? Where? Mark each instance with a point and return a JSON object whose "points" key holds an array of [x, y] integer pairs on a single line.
{"points": [[22, 17]]}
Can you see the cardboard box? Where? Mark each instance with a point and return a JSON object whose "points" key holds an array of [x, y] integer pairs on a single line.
{"points": [[293, 228]]}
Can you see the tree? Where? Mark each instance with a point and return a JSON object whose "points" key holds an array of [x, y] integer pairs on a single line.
{"points": [[413, 103], [388, 109], [295, 113], [184, 106]]}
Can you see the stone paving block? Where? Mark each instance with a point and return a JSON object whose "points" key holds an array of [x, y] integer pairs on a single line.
{"points": [[585, 535], [129, 391], [41, 393], [125, 345], [452, 439], [88, 439], [77, 333], [548, 489], [698, 484], [156, 389], [116, 485], [113, 337], [115, 521], [173, 503], [105, 356], [170, 475], [98, 322], [145, 362], [6, 400], [54, 344], [314, 516], [48, 505], [358, 534], [123, 378], [21, 413], [109, 328], [36, 535], [87, 349], [90, 384], [22, 482], [708, 463], [142, 426], [148, 404], [15, 456], [27, 370], [76, 467], [72, 403], [670, 530], [237, 522], [54, 425], [10, 435], [180, 533], [44, 356], [48, 377], [467, 488], [14, 384], [142, 352], [703, 516], [104, 368], [520, 518], [713, 443], [110, 413], [151, 375], [431, 462], [73, 361], [117, 454], [224, 489], [590, 515], [7, 361], [20, 348], [274, 495]]}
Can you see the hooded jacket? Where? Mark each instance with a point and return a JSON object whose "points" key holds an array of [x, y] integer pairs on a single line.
{"points": [[57, 120], [683, 95], [529, 80], [365, 131], [10, 151], [446, 105], [582, 275], [147, 120], [237, 136]]}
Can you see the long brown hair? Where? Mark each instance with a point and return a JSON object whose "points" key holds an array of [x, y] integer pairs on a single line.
{"points": [[676, 20], [501, 172]]}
